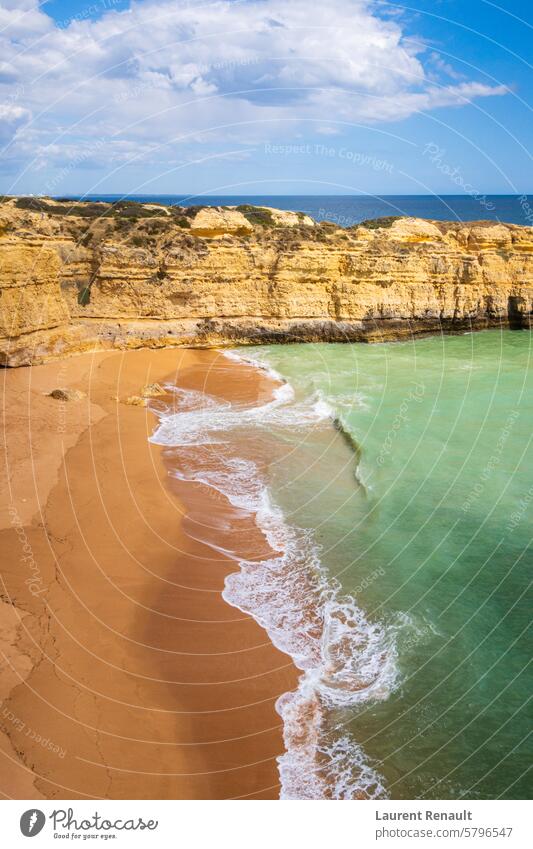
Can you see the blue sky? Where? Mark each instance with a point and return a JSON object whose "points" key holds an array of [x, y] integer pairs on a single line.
{"points": [[264, 96]]}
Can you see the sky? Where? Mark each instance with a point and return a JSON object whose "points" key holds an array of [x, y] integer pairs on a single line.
{"points": [[265, 97]]}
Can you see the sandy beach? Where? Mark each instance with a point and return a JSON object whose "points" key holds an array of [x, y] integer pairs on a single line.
{"points": [[126, 674]]}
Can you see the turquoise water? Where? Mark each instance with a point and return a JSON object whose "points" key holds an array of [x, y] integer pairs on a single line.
{"points": [[426, 520]]}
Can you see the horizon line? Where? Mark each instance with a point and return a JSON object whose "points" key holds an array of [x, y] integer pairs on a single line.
{"points": [[269, 194]]}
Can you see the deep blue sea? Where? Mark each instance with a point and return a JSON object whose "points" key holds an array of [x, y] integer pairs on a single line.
{"points": [[347, 210]]}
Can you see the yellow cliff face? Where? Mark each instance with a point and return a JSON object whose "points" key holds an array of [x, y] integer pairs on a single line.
{"points": [[76, 277]]}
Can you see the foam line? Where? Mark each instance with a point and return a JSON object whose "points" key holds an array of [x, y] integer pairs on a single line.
{"points": [[345, 659]]}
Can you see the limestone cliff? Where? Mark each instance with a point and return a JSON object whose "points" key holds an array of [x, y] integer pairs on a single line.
{"points": [[79, 276]]}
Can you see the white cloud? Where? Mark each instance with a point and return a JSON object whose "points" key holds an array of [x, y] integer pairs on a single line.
{"points": [[231, 72], [12, 117]]}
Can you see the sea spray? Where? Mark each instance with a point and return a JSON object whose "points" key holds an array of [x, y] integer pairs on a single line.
{"points": [[345, 659]]}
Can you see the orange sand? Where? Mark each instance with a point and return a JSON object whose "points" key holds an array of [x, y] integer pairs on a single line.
{"points": [[125, 673]]}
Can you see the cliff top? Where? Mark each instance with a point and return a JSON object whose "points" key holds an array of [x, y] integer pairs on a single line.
{"points": [[76, 276], [242, 219], [157, 227]]}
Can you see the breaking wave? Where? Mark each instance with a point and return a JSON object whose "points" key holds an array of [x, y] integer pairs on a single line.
{"points": [[345, 659]]}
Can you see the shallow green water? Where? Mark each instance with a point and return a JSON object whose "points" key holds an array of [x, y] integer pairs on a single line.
{"points": [[434, 520]]}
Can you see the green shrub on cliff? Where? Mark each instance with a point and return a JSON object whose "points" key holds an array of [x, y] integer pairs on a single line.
{"points": [[84, 295], [379, 223], [182, 221], [124, 209], [256, 216]]}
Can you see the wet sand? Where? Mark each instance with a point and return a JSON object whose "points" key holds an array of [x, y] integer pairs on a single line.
{"points": [[125, 674]]}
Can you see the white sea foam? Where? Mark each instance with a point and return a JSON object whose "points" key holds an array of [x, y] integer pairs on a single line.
{"points": [[195, 424], [351, 400], [345, 659], [255, 361]]}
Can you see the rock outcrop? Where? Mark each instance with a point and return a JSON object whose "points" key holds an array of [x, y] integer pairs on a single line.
{"points": [[80, 276], [214, 222], [67, 394]]}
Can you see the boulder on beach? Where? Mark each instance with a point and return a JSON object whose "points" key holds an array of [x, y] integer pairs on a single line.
{"points": [[67, 394]]}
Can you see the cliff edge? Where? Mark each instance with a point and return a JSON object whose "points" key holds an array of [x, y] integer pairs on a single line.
{"points": [[82, 276]]}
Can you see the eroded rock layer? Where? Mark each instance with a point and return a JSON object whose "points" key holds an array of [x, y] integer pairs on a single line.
{"points": [[75, 277]]}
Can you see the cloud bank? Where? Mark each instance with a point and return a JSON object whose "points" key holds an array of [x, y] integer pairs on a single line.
{"points": [[157, 81]]}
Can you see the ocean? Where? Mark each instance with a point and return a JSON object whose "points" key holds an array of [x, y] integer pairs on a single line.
{"points": [[393, 482], [399, 504], [347, 210]]}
